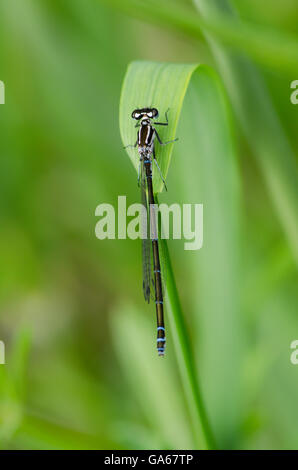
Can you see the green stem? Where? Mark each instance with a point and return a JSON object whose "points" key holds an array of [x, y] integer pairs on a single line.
{"points": [[201, 426]]}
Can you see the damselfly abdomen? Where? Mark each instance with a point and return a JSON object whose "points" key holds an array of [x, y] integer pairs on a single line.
{"points": [[146, 149]]}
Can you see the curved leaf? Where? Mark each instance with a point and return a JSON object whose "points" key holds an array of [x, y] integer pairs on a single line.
{"points": [[207, 147], [163, 86]]}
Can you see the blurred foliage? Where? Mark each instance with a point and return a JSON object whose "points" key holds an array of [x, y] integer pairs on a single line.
{"points": [[71, 304]]}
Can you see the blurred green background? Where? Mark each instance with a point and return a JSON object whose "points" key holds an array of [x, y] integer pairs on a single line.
{"points": [[71, 304]]}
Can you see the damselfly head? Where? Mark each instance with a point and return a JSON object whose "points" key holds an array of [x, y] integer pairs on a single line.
{"points": [[150, 113]]}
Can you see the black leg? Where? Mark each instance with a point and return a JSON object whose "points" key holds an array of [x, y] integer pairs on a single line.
{"points": [[164, 123], [139, 172], [164, 143], [129, 145], [154, 157]]}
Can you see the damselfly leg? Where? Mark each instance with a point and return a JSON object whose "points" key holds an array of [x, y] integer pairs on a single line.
{"points": [[164, 143], [130, 145], [164, 123], [159, 170]]}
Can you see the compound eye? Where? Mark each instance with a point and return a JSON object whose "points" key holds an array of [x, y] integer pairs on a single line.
{"points": [[154, 113], [136, 114]]}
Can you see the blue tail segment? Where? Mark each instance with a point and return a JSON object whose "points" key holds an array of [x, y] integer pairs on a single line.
{"points": [[161, 341]]}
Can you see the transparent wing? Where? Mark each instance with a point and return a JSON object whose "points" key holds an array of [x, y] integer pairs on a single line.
{"points": [[148, 273], [146, 242], [162, 262], [156, 232]]}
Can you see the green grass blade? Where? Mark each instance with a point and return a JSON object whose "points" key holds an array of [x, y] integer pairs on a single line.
{"points": [[165, 85], [186, 360], [209, 174], [261, 125]]}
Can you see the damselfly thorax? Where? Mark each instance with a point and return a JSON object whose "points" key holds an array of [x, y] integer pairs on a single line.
{"points": [[146, 136], [146, 149]]}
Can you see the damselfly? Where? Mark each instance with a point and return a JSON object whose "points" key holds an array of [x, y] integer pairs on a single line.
{"points": [[146, 149]]}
